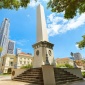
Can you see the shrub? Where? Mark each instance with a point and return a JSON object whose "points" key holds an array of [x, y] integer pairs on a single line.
{"points": [[60, 65], [68, 66], [27, 66], [83, 74], [64, 66]]}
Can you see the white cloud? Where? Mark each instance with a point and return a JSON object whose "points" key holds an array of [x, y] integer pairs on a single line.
{"points": [[57, 24], [45, 0], [21, 42], [33, 3], [77, 46]]}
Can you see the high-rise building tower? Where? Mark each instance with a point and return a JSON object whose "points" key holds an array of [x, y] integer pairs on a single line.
{"points": [[4, 35], [11, 46], [77, 56], [18, 50]]}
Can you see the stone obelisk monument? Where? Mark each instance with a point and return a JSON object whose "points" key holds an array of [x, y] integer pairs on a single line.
{"points": [[43, 49]]}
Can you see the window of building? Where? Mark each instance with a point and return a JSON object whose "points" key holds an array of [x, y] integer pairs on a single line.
{"points": [[10, 63], [20, 62], [11, 58]]}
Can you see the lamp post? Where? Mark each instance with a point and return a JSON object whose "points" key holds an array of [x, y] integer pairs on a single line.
{"points": [[72, 54]]}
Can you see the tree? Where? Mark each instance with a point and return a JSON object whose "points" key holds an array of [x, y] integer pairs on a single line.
{"points": [[13, 4], [70, 7], [81, 44], [1, 49]]}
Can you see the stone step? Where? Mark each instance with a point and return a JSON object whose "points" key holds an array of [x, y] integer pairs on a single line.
{"points": [[30, 74], [65, 78], [31, 79], [60, 76], [36, 80], [28, 77], [61, 73]]}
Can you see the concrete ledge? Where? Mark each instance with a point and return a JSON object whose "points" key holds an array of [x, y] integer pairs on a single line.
{"points": [[48, 75], [74, 71], [16, 72]]}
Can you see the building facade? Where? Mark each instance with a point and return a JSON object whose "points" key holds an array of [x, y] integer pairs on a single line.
{"points": [[7, 63], [63, 61], [4, 35], [11, 61], [23, 59], [11, 47]]}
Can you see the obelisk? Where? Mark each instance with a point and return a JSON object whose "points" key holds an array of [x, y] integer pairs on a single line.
{"points": [[41, 24], [43, 49]]}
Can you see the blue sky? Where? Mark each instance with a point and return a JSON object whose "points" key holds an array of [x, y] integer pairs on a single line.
{"points": [[62, 33]]}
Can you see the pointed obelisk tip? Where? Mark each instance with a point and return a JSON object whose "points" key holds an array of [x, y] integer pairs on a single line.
{"points": [[39, 5]]}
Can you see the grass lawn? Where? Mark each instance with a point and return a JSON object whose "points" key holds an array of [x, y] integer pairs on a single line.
{"points": [[4, 74]]}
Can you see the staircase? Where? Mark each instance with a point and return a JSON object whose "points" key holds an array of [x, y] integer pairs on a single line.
{"points": [[33, 75], [62, 77]]}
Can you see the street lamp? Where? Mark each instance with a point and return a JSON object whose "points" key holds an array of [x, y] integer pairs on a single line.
{"points": [[72, 54]]}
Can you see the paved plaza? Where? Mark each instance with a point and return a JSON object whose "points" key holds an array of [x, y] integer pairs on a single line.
{"points": [[6, 80]]}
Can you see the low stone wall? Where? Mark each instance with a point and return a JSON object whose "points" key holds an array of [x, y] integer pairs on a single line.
{"points": [[75, 71], [16, 72]]}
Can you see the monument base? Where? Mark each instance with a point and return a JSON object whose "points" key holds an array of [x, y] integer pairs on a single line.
{"points": [[48, 75]]}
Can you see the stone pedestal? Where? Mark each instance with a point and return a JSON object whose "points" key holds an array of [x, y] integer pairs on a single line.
{"points": [[41, 49], [48, 75]]}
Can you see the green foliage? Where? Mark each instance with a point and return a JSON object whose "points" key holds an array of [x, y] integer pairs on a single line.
{"points": [[13, 4], [1, 49], [83, 61], [27, 66], [60, 66], [64, 66], [70, 7], [4, 74], [83, 74], [68, 66], [81, 44]]}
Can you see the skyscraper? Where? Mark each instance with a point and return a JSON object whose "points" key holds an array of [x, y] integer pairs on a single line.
{"points": [[18, 50], [77, 56], [4, 35], [11, 46]]}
